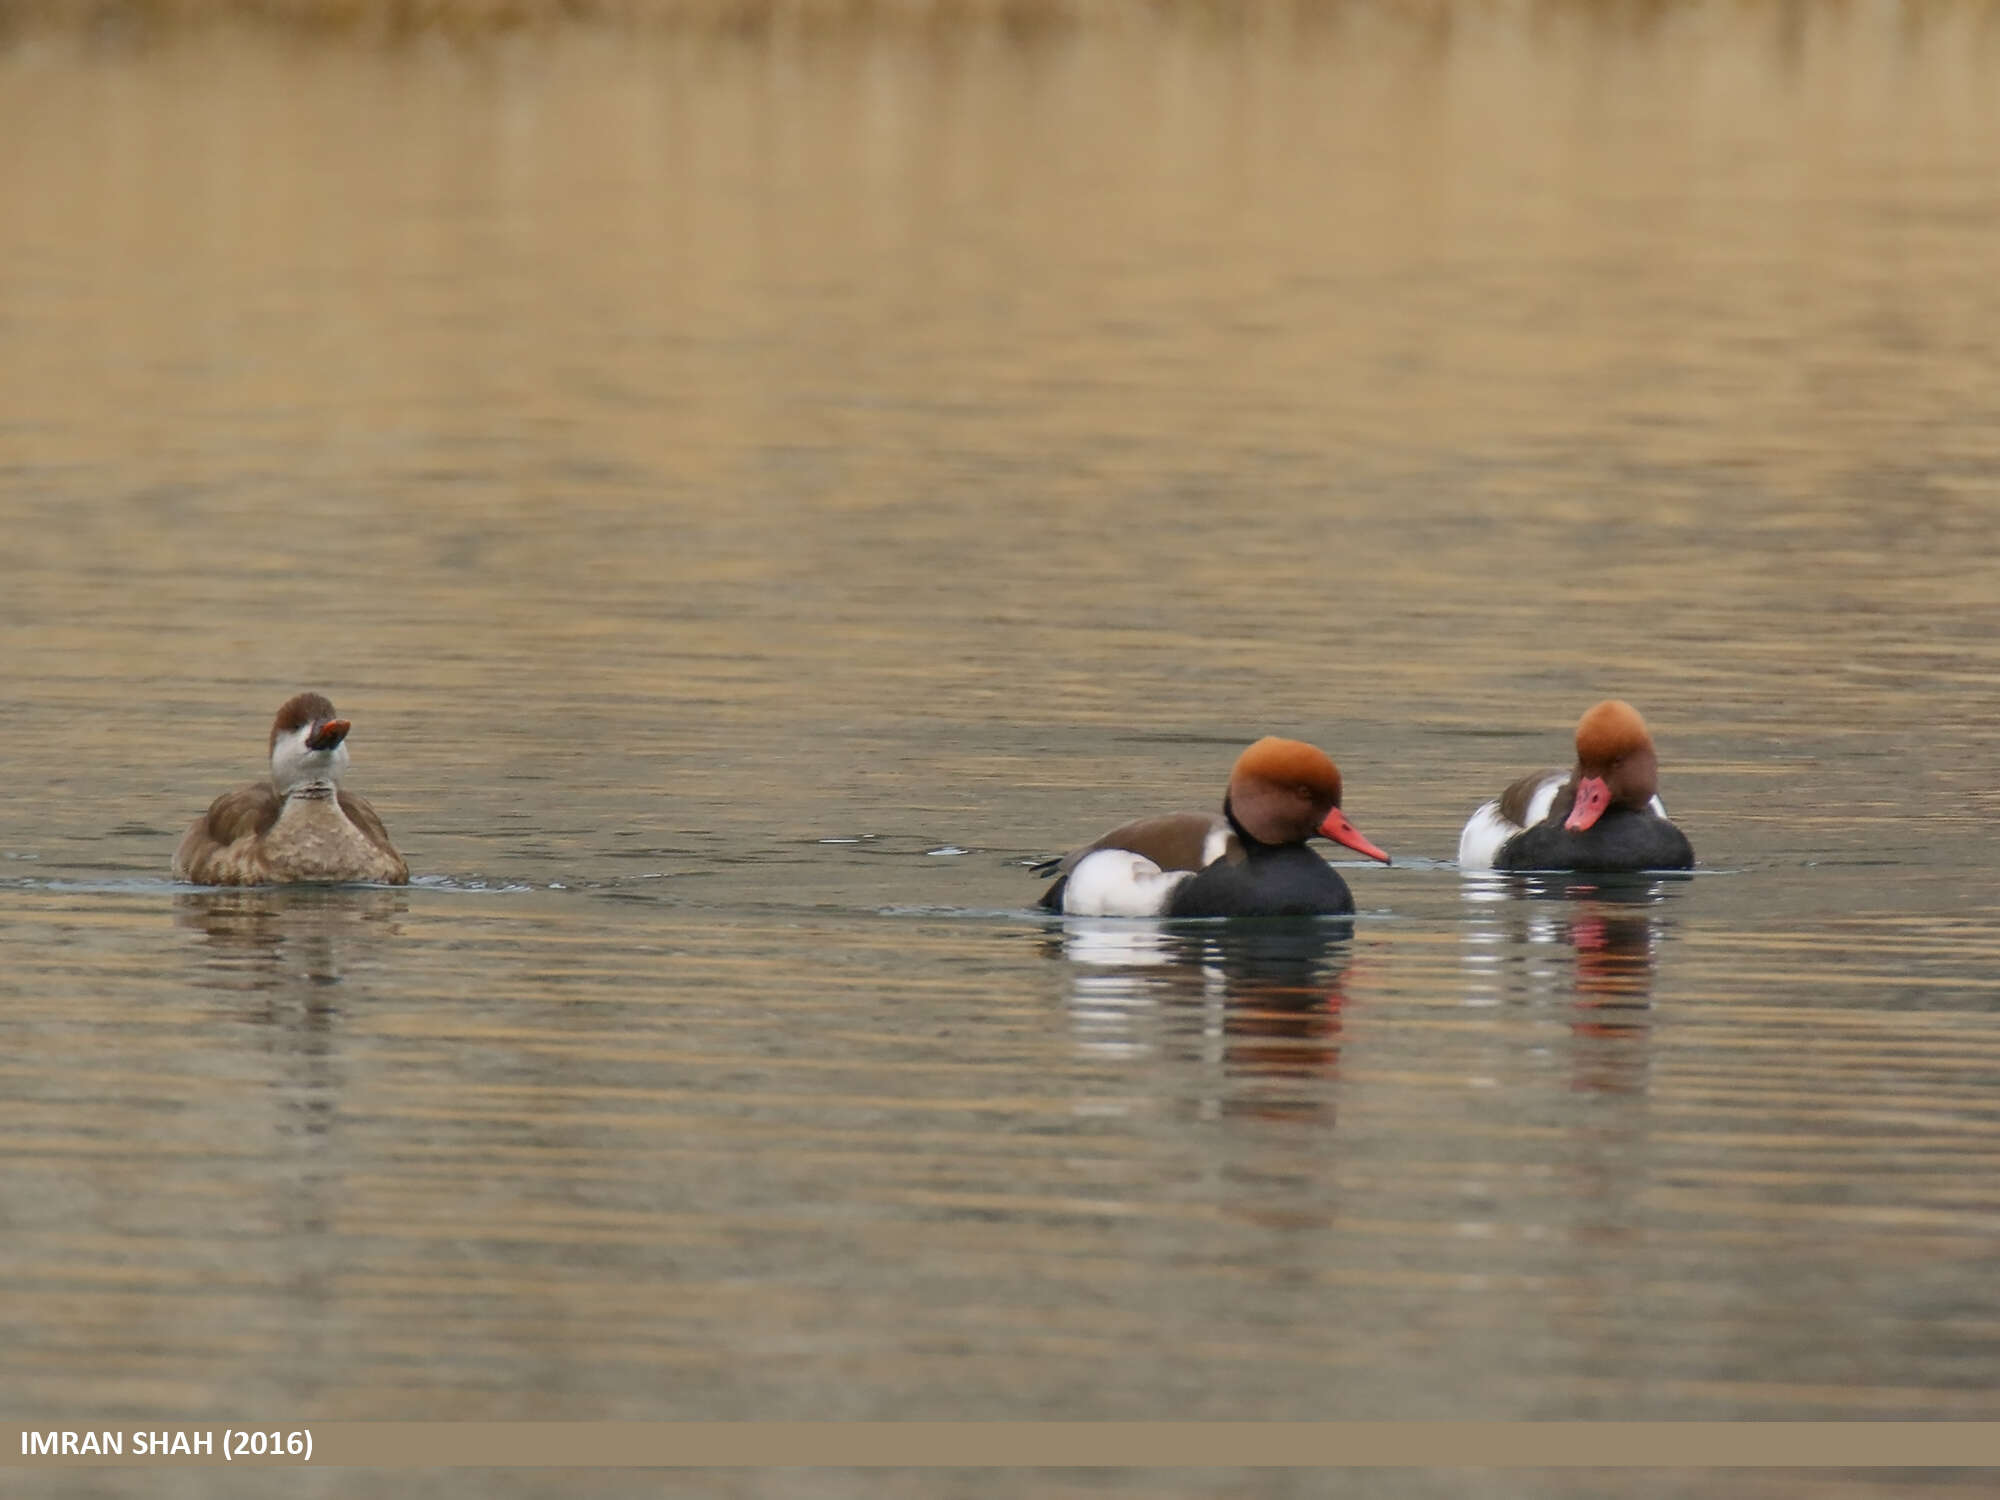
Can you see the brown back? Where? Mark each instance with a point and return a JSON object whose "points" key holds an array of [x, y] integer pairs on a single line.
{"points": [[364, 817], [1173, 841], [1514, 801], [241, 814]]}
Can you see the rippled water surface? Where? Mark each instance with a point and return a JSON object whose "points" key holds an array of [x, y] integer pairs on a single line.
{"points": [[753, 493]]}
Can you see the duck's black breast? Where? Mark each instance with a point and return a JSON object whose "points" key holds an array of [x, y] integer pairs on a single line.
{"points": [[1285, 880], [1624, 839]]}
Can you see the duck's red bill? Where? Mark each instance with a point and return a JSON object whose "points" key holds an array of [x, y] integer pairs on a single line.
{"points": [[1337, 828], [329, 734], [1592, 797]]}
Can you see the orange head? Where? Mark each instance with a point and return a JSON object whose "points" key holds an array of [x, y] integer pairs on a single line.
{"points": [[1285, 791], [1616, 765]]}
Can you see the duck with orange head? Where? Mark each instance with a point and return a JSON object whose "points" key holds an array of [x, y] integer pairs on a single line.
{"points": [[1604, 815], [1250, 860]]}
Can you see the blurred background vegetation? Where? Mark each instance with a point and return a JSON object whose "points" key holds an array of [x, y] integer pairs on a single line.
{"points": [[475, 17]]}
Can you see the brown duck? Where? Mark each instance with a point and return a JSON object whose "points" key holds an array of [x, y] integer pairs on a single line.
{"points": [[299, 825]]}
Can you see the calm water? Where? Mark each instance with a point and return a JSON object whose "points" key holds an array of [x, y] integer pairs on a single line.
{"points": [[751, 495]]}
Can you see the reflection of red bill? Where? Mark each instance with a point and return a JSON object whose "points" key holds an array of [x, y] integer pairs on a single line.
{"points": [[1592, 797], [1337, 828], [1614, 966]]}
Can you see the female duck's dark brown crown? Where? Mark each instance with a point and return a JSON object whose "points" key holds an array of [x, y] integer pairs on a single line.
{"points": [[301, 710]]}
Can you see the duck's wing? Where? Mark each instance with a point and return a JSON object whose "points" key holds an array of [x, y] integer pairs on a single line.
{"points": [[1172, 841], [1532, 798], [204, 853], [365, 818], [1524, 804]]}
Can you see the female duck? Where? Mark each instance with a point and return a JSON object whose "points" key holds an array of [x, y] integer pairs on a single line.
{"points": [[298, 825]]}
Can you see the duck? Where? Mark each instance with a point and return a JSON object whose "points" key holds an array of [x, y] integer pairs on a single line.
{"points": [[1249, 860], [1604, 815], [299, 825]]}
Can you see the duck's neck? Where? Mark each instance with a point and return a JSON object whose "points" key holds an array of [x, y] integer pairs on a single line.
{"points": [[1251, 844]]}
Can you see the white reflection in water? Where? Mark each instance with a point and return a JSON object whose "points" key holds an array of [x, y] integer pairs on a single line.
{"points": [[1589, 942], [1255, 1006]]}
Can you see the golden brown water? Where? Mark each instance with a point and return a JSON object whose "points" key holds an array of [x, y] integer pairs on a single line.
{"points": [[752, 494]]}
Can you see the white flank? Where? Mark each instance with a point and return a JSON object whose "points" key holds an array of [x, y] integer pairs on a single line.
{"points": [[1544, 798], [1119, 883], [1485, 831]]}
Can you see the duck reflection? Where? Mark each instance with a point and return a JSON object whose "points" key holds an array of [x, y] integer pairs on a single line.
{"points": [[1259, 1002], [274, 956], [264, 938], [1593, 939]]}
